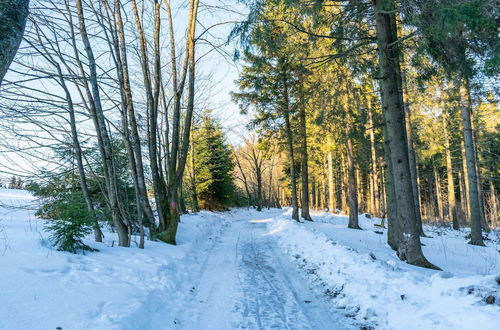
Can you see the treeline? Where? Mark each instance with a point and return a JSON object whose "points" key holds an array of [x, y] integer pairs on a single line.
{"points": [[386, 107]]}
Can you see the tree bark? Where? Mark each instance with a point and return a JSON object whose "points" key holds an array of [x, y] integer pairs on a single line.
{"points": [[439, 200], [289, 140], [452, 208], [13, 15], [409, 246], [412, 158], [352, 187], [135, 142], [304, 166], [374, 191], [331, 189], [121, 224], [475, 209]]}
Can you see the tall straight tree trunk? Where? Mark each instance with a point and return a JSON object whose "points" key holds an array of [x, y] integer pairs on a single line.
{"points": [[494, 214], [439, 200], [474, 206], [324, 181], [463, 196], [394, 231], [409, 246], [374, 191], [339, 185], [465, 178], [289, 140], [452, 207], [331, 189], [13, 15], [412, 158], [383, 195], [304, 166], [352, 187], [345, 185]]}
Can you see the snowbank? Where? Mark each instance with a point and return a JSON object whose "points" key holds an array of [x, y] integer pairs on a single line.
{"points": [[116, 288], [366, 280]]}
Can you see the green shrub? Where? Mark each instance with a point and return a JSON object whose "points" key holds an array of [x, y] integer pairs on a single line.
{"points": [[71, 222]]}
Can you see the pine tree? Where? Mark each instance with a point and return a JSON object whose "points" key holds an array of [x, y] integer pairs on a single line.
{"points": [[211, 174]]}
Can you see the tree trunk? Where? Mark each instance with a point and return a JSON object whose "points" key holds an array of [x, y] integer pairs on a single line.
{"points": [[304, 166], [180, 144], [105, 147], [439, 200], [345, 185], [258, 174], [465, 178], [463, 195], [289, 140], [135, 142], [374, 191], [409, 247], [393, 224], [331, 189], [352, 187], [452, 208], [412, 158], [79, 159], [475, 208], [13, 15]]}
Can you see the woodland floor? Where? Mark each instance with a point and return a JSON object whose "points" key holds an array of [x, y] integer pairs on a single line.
{"points": [[244, 270]]}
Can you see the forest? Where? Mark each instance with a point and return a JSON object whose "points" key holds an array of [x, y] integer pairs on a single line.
{"points": [[126, 122]]}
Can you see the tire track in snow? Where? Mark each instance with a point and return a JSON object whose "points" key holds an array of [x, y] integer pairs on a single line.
{"points": [[247, 283]]}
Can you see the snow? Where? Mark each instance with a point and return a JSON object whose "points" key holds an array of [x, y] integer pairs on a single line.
{"points": [[370, 283], [116, 288], [242, 269]]}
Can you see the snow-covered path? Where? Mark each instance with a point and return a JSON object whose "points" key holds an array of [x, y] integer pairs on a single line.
{"points": [[246, 282]]}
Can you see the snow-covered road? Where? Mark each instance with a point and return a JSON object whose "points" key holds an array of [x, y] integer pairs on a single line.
{"points": [[246, 282]]}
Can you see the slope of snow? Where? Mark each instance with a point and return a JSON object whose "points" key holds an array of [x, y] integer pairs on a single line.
{"points": [[366, 280], [116, 288]]}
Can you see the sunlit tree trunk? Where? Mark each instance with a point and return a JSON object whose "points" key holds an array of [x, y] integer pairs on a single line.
{"points": [[352, 186], [439, 199], [331, 187], [408, 246], [374, 191], [470, 156], [452, 208], [289, 141]]}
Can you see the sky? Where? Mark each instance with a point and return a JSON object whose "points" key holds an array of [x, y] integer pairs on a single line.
{"points": [[215, 66]]}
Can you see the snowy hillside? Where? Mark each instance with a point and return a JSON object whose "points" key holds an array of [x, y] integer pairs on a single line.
{"points": [[243, 269]]}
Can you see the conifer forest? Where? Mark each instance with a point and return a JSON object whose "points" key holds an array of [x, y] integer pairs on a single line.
{"points": [[249, 164]]}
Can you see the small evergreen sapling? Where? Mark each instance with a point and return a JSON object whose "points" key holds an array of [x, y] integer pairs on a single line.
{"points": [[72, 222]]}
